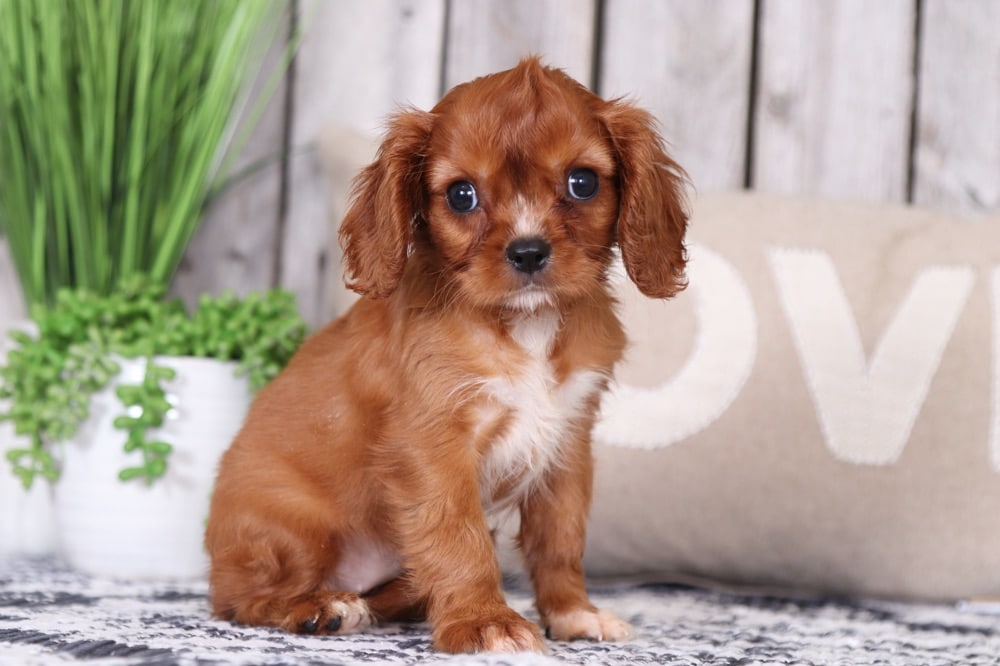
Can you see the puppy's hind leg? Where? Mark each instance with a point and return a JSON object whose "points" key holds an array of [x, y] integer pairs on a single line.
{"points": [[281, 581], [396, 601]]}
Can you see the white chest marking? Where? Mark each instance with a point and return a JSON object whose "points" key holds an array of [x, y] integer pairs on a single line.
{"points": [[364, 564], [541, 413]]}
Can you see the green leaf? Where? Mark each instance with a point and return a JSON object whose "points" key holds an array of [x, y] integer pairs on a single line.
{"points": [[156, 468], [26, 476], [160, 448], [130, 395], [14, 455], [130, 473], [126, 422]]}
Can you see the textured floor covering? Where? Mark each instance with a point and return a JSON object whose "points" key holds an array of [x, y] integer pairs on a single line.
{"points": [[52, 615]]}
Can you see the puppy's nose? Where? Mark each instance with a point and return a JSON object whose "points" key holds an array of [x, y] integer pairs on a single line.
{"points": [[528, 255]]}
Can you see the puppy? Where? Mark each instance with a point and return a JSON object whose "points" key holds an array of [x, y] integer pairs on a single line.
{"points": [[463, 384]]}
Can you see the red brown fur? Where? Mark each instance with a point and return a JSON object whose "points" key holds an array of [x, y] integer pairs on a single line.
{"points": [[466, 380]]}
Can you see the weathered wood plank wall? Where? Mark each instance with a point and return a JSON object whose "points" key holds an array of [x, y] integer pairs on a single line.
{"points": [[690, 63], [835, 98], [957, 142], [894, 101]]}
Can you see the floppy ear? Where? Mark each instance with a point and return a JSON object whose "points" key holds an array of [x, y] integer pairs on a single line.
{"points": [[387, 195], [652, 217]]}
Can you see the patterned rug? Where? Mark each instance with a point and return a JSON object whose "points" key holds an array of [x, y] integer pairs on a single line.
{"points": [[52, 615]]}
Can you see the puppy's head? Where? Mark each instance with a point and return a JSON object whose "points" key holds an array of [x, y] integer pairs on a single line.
{"points": [[514, 190]]}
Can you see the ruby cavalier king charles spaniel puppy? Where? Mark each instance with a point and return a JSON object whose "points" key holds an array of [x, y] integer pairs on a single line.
{"points": [[463, 384]]}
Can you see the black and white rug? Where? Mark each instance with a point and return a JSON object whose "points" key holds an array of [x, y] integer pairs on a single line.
{"points": [[50, 614]]}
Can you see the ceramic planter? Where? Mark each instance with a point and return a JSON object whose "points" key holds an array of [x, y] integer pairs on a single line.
{"points": [[131, 529], [27, 526]]}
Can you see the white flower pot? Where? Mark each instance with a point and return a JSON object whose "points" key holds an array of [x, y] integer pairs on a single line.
{"points": [[130, 529], [27, 526]]}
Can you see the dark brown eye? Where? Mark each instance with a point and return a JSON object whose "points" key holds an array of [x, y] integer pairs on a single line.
{"points": [[582, 184], [462, 197]]}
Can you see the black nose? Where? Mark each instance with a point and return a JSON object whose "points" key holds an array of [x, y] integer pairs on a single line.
{"points": [[528, 255]]}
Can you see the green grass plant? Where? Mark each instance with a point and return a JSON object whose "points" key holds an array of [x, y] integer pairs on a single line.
{"points": [[117, 121]]}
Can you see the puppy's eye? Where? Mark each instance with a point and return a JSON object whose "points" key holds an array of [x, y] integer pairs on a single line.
{"points": [[582, 183], [462, 197]]}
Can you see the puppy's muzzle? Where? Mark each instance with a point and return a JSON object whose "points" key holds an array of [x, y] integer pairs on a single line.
{"points": [[529, 255]]}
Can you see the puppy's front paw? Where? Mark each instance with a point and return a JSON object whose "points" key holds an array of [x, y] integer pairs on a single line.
{"points": [[503, 631], [329, 613], [595, 625]]}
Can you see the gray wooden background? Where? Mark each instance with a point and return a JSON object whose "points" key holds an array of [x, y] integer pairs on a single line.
{"points": [[887, 100]]}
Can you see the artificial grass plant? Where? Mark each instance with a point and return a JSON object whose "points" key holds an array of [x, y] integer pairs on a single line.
{"points": [[115, 117]]}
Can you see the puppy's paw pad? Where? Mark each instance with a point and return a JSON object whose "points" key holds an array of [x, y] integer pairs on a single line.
{"points": [[599, 625], [506, 632], [348, 616], [329, 613]]}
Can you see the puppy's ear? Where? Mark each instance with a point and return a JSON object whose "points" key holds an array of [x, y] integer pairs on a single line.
{"points": [[387, 195], [652, 216]]}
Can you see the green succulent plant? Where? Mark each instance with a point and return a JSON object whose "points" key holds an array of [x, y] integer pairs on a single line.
{"points": [[48, 378]]}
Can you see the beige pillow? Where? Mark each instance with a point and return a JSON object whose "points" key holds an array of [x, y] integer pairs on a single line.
{"points": [[819, 409]]}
